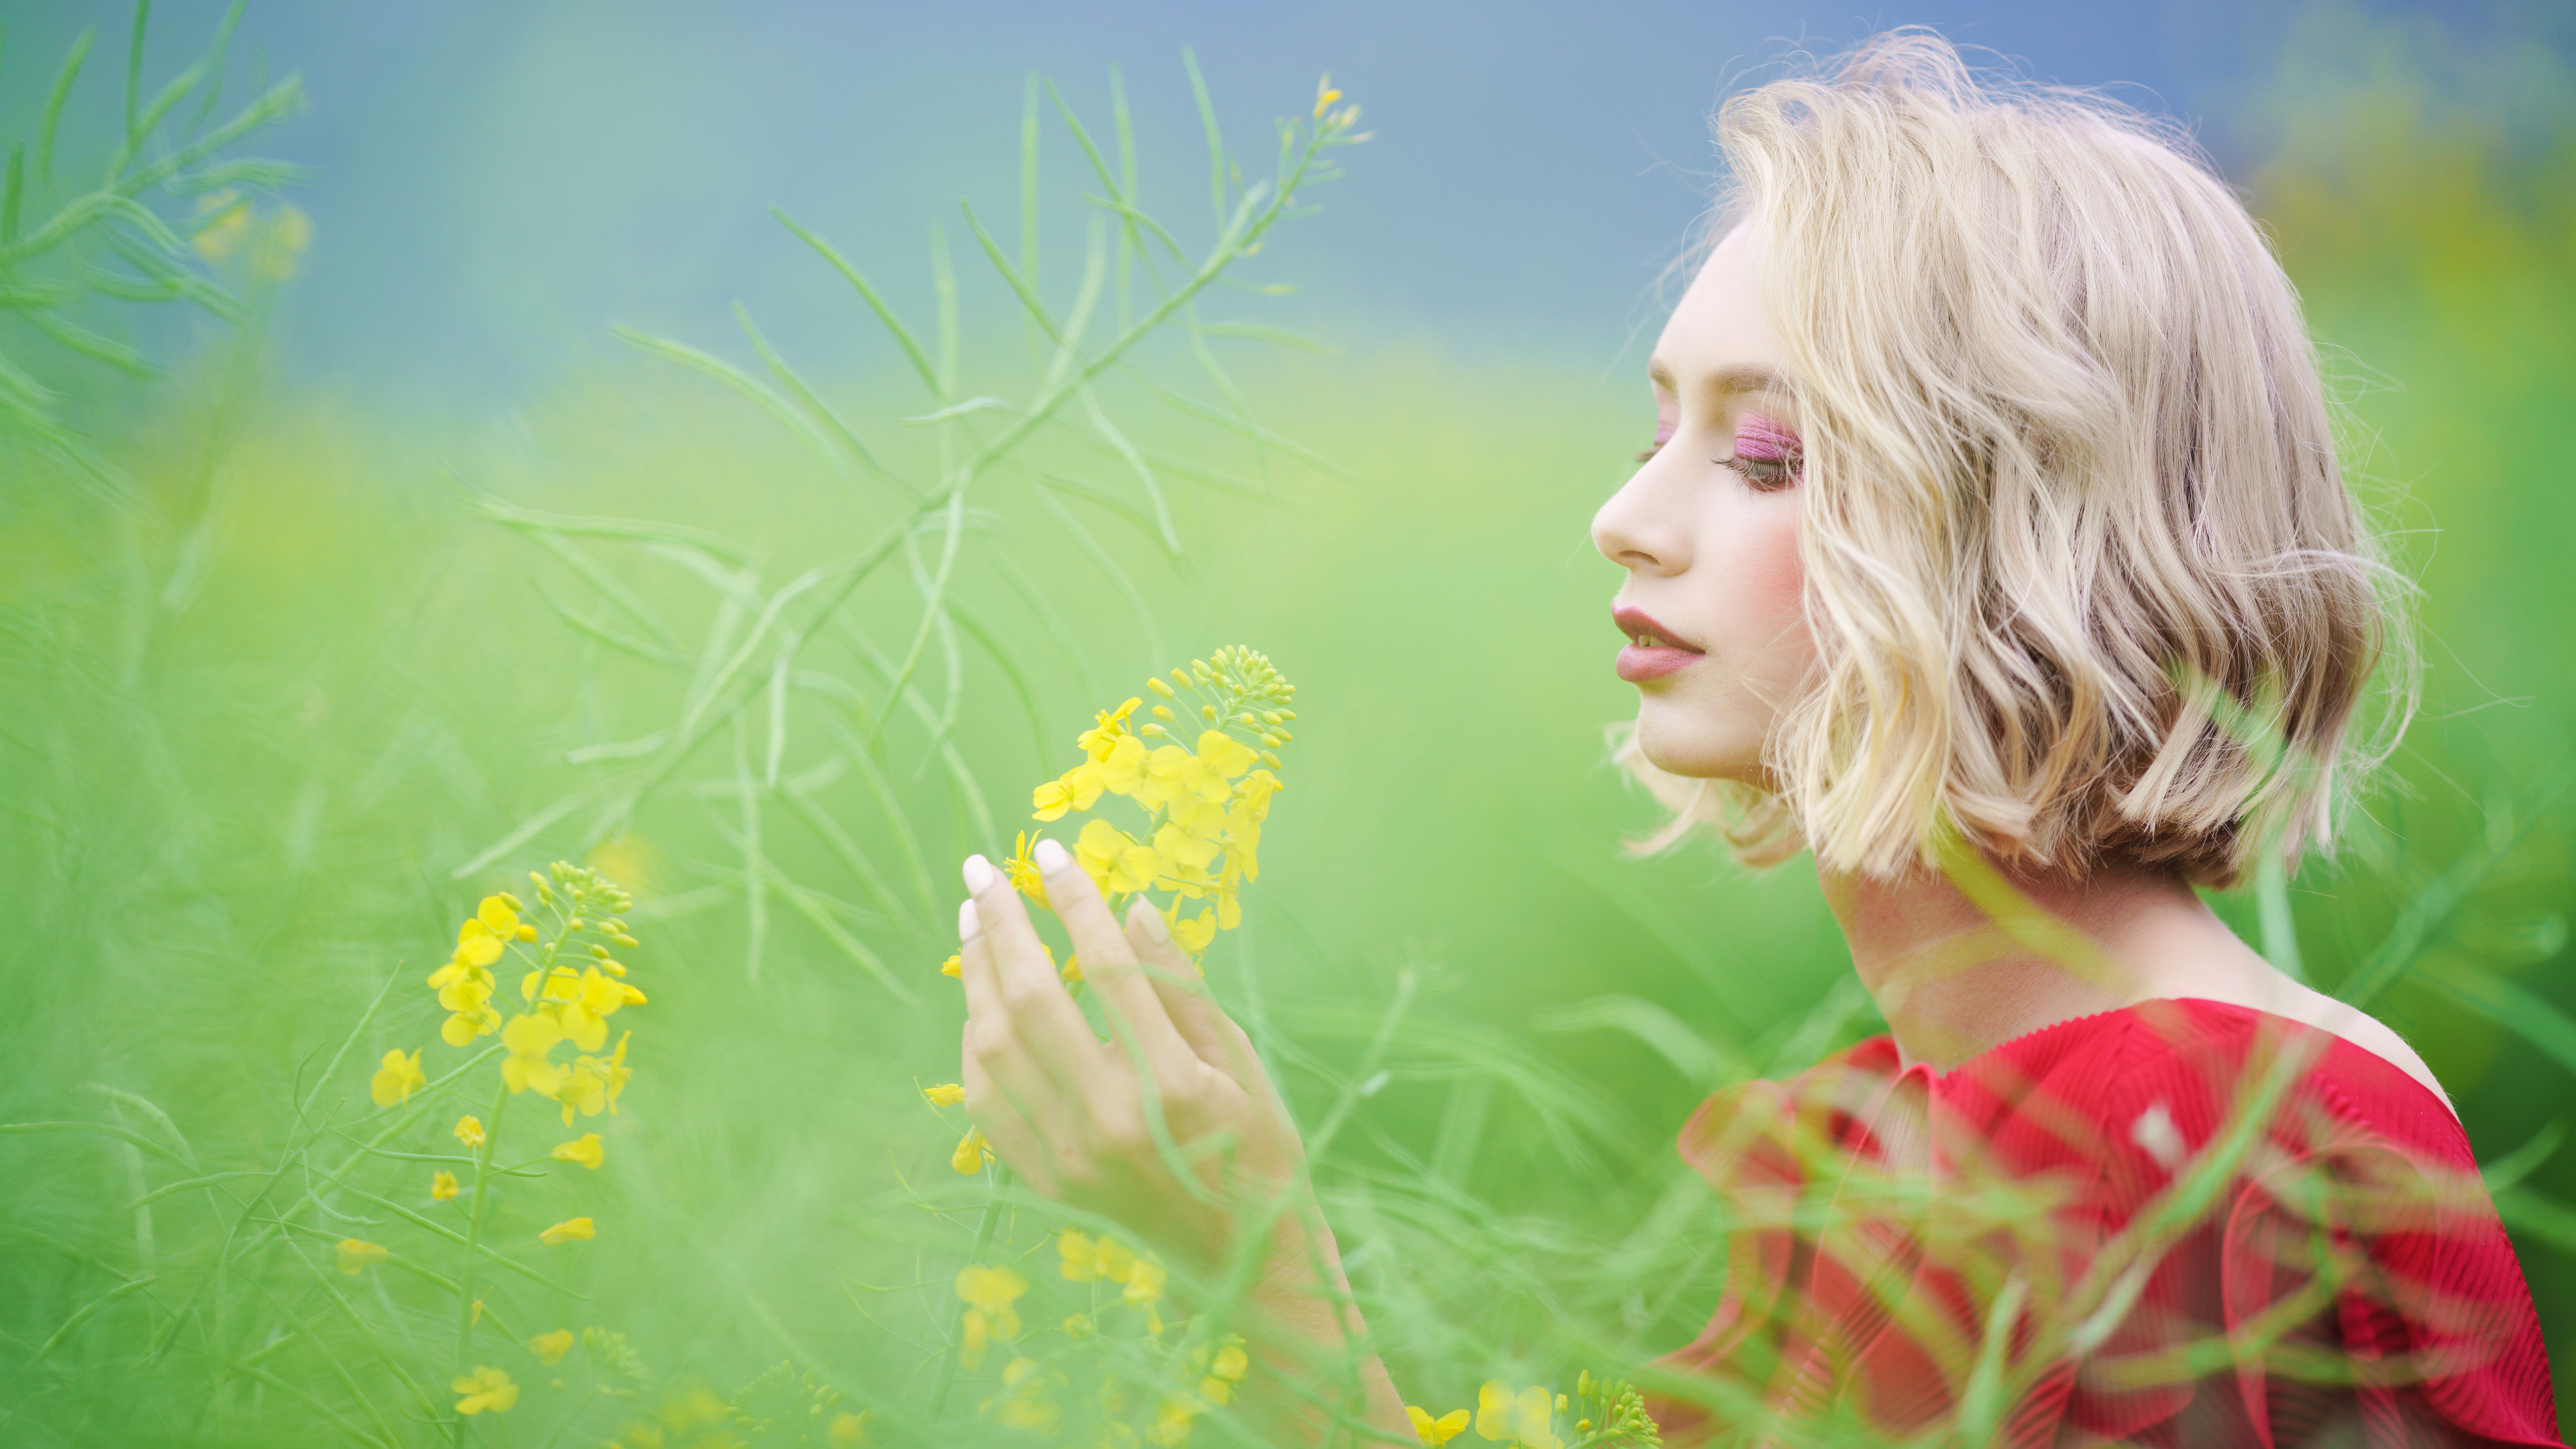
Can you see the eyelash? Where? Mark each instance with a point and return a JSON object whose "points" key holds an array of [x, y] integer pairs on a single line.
{"points": [[1767, 474]]}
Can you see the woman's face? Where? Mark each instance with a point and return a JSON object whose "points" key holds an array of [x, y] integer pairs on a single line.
{"points": [[1708, 532]]}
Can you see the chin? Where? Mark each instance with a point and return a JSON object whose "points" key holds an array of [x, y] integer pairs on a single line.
{"points": [[1678, 742]]}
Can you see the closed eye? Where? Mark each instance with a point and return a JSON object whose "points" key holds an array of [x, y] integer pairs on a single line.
{"points": [[1769, 475]]}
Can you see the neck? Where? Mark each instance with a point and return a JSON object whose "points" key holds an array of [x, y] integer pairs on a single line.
{"points": [[1964, 958]]}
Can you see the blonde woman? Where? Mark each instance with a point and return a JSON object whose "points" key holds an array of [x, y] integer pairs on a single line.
{"points": [[1992, 548]]}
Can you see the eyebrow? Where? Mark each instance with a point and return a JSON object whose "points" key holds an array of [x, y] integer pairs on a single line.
{"points": [[1725, 381]]}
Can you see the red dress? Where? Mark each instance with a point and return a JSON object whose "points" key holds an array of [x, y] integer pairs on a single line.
{"points": [[2181, 1223]]}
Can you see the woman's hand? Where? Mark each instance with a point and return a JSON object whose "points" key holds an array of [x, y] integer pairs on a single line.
{"points": [[1170, 1127]]}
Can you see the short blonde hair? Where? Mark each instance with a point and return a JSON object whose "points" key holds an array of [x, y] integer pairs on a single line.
{"points": [[2083, 573]]}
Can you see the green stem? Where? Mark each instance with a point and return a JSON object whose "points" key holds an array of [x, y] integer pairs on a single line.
{"points": [[983, 1240], [474, 1242]]}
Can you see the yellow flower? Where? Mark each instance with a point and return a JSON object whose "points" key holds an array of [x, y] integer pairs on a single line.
{"points": [[971, 1152], [988, 1294], [485, 1388], [357, 1254], [1144, 1283], [469, 1130], [588, 1001], [551, 1347], [1224, 756], [570, 1230], [1123, 768], [1171, 1426], [594, 1083], [1325, 95], [442, 1187], [1075, 789], [1435, 1432], [529, 1039], [1024, 872], [1029, 1398], [1522, 1418], [1114, 860], [1089, 1260], [847, 1430], [1225, 1370], [954, 966], [1193, 935], [583, 1149], [1243, 821], [1104, 735], [946, 1094], [397, 1079]]}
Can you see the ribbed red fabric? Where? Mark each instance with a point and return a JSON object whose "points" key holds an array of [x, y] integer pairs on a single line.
{"points": [[2181, 1223]]}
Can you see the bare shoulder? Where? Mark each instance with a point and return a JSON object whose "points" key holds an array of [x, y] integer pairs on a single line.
{"points": [[2315, 1008]]}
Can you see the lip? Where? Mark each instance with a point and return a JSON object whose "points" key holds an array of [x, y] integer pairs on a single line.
{"points": [[1641, 662]]}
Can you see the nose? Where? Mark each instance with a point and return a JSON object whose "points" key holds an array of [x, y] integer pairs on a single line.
{"points": [[1641, 531]]}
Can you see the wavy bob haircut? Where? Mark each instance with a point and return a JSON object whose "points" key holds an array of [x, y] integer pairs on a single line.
{"points": [[2084, 577]]}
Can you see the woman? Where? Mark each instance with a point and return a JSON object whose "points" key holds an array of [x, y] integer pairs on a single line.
{"points": [[1992, 548]]}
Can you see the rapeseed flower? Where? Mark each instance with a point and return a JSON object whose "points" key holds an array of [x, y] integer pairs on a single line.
{"points": [[1525, 1418], [487, 1389], [469, 1130], [570, 1230], [442, 1187], [1024, 874], [946, 1094], [550, 1348], [531, 1038], [1114, 860], [971, 1151], [847, 1430], [583, 1149], [397, 1079], [357, 1255], [988, 1294], [1435, 1432]]}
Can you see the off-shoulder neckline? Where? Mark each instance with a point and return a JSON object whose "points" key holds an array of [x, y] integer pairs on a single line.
{"points": [[2448, 1112]]}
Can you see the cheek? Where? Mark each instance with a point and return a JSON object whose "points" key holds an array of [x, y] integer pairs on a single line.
{"points": [[1768, 577]]}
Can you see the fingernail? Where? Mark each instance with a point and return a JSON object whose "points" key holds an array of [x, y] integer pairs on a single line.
{"points": [[1155, 930], [979, 874], [968, 923], [1051, 857]]}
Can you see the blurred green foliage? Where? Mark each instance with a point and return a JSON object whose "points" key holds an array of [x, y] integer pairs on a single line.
{"points": [[286, 683]]}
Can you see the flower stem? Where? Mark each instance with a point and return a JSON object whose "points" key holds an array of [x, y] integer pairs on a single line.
{"points": [[983, 1239], [474, 1242]]}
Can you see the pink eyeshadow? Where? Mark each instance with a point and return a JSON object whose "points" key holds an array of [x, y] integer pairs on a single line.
{"points": [[1759, 438]]}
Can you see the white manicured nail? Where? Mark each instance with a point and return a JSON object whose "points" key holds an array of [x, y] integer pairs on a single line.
{"points": [[979, 874], [1152, 921], [968, 923], [1051, 857]]}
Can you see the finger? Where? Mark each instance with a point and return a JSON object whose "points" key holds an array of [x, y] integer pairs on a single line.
{"points": [[1135, 1012], [990, 1109], [995, 1041], [1040, 1012], [1176, 983]]}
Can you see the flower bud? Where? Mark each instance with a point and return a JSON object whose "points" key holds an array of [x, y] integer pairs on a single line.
{"points": [[1163, 711], [1272, 740], [1271, 760], [599, 950], [1157, 685], [1270, 716], [1153, 729], [511, 901], [1208, 712], [627, 941]]}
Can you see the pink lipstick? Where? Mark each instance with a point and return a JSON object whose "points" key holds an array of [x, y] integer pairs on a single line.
{"points": [[1652, 650]]}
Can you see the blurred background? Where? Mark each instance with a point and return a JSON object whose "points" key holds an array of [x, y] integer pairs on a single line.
{"points": [[304, 645]]}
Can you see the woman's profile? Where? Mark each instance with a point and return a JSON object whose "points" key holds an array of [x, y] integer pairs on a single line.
{"points": [[1992, 548]]}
